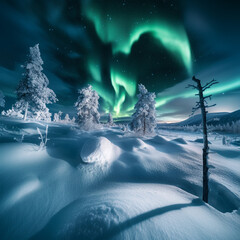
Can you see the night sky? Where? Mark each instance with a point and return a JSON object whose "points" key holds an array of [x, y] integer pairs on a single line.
{"points": [[116, 44]]}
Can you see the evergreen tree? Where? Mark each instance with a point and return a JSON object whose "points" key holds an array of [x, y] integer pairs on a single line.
{"points": [[32, 92], [144, 117], [57, 117], [67, 118], [2, 100], [87, 108], [110, 119], [73, 120]]}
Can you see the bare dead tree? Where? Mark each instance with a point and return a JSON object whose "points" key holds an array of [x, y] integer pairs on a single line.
{"points": [[203, 105]]}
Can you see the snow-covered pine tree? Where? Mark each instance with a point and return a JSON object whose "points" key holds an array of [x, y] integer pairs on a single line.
{"points": [[73, 120], [87, 108], [67, 118], [144, 117], [110, 119], [57, 116], [32, 92], [2, 100]]}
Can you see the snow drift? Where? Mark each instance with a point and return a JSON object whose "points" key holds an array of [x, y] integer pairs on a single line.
{"points": [[106, 184], [99, 150]]}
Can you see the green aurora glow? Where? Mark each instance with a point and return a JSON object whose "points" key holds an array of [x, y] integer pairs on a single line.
{"points": [[172, 37], [219, 88], [94, 70], [120, 102]]}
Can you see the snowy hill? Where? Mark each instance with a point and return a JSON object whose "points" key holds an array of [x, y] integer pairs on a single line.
{"points": [[110, 184], [231, 117], [212, 119]]}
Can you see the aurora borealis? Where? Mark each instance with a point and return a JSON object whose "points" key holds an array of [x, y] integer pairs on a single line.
{"points": [[116, 44]]}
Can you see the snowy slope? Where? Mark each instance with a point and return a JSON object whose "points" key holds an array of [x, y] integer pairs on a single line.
{"points": [[140, 211], [197, 119], [212, 119], [108, 184], [231, 117]]}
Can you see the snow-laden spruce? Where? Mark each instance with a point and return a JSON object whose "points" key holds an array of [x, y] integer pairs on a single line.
{"points": [[33, 93], [67, 118], [87, 108], [110, 119], [144, 117], [57, 116], [2, 100]]}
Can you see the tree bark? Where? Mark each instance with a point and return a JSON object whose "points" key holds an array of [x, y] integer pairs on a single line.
{"points": [[26, 112], [144, 125]]}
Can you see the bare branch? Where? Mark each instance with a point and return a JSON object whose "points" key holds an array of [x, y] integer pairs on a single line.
{"points": [[208, 85], [197, 104], [192, 86], [194, 109], [208, 106], [209, 96]]}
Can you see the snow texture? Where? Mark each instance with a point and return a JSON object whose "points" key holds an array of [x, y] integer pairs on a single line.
{"points": [[57, 117], [106, 184]]}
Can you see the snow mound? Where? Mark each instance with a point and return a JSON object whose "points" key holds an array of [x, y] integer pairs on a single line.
{"points": [[159, 140], [99, 150], [179, 140], [161, 211], [92, 222]]}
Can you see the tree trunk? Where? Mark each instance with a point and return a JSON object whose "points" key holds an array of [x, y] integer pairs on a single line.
{"points": [[26, 112], [144, 125], [205, 141]]}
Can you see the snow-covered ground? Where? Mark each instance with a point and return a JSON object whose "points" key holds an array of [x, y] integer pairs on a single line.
{"points": [[107, 184]]}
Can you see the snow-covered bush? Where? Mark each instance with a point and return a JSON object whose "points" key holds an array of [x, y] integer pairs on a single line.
{"points": [[233, 127], [43, 115], [144, 117], [19, 139], [87, 108], [33, 93], [12, 113], [125, 128], [2, 100], [57, 117], [43, 138]]}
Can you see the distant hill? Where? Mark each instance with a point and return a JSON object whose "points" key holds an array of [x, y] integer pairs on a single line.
{"points": [[231, 117], [212, 119]]}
